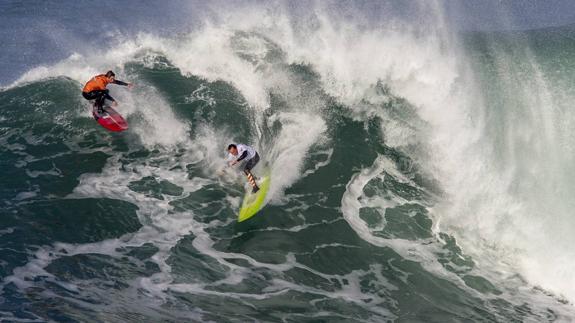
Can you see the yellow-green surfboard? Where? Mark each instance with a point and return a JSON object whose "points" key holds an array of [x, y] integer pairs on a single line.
{"points": [[254, 202]]}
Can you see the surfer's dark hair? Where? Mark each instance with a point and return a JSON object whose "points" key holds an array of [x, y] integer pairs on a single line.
{"points": [[232, 146], [110, 74]]}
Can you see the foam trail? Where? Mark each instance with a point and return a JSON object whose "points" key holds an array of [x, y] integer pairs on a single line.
{"points": [[159, 125], [299, 132]]}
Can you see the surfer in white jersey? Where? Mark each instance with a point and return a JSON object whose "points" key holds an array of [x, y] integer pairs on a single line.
{"points": [[251, 158]]}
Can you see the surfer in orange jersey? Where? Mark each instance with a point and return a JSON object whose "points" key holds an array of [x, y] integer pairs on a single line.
{"points": [[252, 158], [95, 89]]}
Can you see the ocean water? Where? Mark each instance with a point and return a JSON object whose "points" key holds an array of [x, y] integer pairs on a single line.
{"points": [[419, 173]]}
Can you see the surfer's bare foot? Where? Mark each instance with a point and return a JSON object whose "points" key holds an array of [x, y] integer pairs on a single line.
{"points": [[255, 189]]}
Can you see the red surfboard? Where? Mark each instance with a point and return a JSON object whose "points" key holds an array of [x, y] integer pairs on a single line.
{"points": [[110, 119]]}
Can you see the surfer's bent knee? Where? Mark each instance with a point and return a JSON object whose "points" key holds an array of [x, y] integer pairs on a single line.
{"points": [[251, 164]]}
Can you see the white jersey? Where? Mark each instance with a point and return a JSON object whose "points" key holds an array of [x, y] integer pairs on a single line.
{"points": [[242, 148]]}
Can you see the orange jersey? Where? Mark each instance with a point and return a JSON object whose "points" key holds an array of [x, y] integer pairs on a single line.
{"points": [[98, 82]]}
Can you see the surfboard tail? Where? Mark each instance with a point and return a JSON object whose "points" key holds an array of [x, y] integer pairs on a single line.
{"points": [[253, 202], [110, 119]]}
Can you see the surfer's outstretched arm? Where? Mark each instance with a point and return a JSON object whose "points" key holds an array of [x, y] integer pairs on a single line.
{"points": [[118, 82], [242, 156]]}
